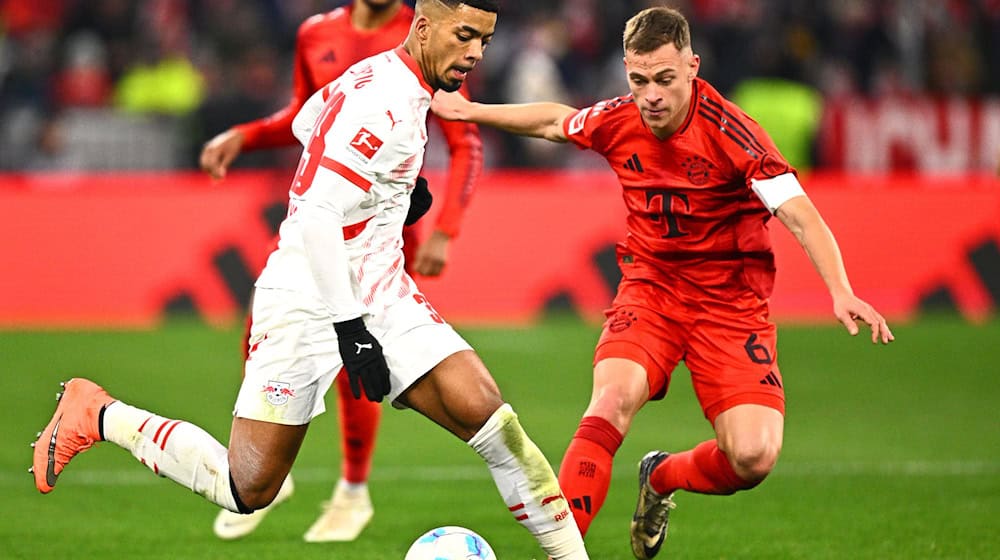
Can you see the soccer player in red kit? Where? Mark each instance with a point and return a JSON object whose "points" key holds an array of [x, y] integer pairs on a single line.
{"points": [[700, 179], [327, 44]]}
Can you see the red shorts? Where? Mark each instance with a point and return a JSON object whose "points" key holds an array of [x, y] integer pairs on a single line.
{"points": [[732, 358]]}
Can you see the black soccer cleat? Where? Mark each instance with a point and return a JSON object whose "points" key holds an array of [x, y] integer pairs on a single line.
{"points": [[649, 522]]}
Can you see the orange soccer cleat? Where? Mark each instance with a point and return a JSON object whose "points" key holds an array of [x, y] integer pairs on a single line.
{"points": [[74, 427]]}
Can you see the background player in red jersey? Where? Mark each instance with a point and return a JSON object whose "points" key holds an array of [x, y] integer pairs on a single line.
{"points": [[327, 44], [700, 179]]}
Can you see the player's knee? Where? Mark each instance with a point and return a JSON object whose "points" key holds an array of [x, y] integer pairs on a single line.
{"points": [[616, 405], [470, 414], [257, 495], [753, 461], [253, 488], [475, 416]]}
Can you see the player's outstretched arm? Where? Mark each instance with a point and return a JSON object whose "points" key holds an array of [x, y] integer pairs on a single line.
{"points": [[802, 218], [218, 153], [541, 120]]}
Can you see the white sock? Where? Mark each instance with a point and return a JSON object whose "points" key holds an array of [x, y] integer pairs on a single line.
{"points": [[350, 487], [173, 449], [528, 486]]}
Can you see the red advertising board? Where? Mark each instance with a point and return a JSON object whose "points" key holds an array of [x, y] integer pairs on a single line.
{"points": [[124, 249], [910, 133]]}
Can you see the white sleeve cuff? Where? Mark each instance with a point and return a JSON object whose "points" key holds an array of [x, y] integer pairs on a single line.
{"points": [[776, 191]]}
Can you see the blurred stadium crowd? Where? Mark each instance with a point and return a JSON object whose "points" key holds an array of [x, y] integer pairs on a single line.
{"points": [[130, 84]]}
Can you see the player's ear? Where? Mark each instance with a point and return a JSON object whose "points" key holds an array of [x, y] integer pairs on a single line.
{"points": [[693, 67], [422, 27]]}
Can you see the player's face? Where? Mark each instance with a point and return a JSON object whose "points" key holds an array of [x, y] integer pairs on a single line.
{"points": [[454, 45], [661, 82]]}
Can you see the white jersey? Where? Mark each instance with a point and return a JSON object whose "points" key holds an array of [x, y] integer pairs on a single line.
{"points": [[364, 136]]}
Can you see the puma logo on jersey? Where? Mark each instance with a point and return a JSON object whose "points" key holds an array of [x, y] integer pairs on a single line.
{"points": [[361, 347], [394, 122], [366, 143]]}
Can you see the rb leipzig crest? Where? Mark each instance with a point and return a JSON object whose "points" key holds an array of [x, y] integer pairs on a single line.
{"points": [[278, 393]]}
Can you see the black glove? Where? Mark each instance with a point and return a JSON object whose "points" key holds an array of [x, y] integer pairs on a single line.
{"points": [[363, 360], [420, 202]]}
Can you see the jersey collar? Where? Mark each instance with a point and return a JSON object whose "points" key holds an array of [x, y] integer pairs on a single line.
{"points": [[411, 63], [692, 105]]}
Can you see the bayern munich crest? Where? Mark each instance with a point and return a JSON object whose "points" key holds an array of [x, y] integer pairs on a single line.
{"points": [[621, 321]]}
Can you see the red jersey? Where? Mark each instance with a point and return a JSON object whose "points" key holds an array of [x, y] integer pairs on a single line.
{"points": [[688, 196], [327, 45]]}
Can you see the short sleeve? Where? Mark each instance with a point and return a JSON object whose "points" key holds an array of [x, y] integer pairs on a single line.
{"points": [[593, 127], [576, 130], [747, 144]]}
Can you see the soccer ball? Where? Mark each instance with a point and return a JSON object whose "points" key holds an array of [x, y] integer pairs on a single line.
{"points": [[450, 543]]}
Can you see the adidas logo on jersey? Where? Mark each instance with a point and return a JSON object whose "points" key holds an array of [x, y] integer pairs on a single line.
{"points": [[771, 379], [633, 164]]}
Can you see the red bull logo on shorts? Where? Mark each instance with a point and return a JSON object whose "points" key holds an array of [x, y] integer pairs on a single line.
{"points": [[278, 393]]}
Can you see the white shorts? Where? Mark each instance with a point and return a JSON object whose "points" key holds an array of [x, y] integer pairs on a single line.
{"points": [[294, 356]]}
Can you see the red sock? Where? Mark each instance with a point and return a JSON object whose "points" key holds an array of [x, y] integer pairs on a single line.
{"points": [[585, 473], [359, 420], [704, 469]]}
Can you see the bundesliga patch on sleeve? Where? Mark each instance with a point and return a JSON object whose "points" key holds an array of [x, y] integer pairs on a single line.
{"points": [[577, 122], [366, 143]]}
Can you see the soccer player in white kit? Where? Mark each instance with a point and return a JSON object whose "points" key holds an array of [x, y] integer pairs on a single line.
{"points": [[334, 298]]}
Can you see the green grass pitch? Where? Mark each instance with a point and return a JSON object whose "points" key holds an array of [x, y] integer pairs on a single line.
{"points": [[890, 452]]}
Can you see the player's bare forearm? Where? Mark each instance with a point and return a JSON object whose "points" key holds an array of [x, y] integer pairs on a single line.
{"points": [[540, 120], [804, 221], [801, 218]]}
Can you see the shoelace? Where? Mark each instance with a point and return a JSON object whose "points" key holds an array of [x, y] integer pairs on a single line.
{"points": [[657, 512]]}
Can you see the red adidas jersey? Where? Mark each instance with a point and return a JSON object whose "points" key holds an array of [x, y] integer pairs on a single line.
{"points": [[327, 45], [689, 196]]}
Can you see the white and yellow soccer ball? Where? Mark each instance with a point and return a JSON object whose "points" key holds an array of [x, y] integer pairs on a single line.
{"points": [[450, 543]]}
